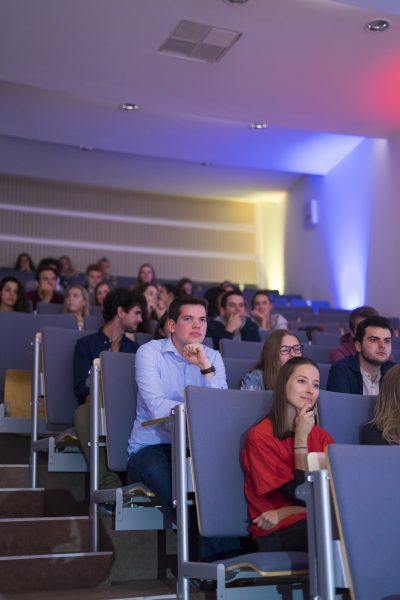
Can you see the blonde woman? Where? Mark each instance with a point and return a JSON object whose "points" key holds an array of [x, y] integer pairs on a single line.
{"points": [[76, 302], [384, 428]]}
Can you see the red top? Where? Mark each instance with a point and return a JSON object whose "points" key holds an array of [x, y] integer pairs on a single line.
{"points": [[268, 464]]}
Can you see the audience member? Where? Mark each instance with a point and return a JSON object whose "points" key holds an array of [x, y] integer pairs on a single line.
{"points": [[155, 308], [232, 322], [54, 263], [279, 347], [385, 426], [105, 266], [261, 312], [94, 275], [275, 459], [228, 286], [346, 346], [162, 329], [362, 373], [146, 274], [213, 296], [185, 286], [76, 302], [24, 263], [168, 293], [100, 292], [163, 369], [12, 295], [122, 312], [67, 270], [47, 281]]}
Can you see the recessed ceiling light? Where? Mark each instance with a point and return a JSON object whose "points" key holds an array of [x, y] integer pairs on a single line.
{"points": [[129, 106], [378, 25], [259, 125], [235, 2]]}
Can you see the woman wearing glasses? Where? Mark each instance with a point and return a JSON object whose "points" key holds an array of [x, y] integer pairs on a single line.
{"points": [[278, 348], [275, 459]]}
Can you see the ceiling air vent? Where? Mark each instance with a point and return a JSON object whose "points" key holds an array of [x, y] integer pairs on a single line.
{"points": [[197, 41]]}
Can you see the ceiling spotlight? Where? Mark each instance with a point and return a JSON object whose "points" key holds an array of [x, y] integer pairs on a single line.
{"points": [[259, 125], [235, 2], [129, 106], [378, 25]]}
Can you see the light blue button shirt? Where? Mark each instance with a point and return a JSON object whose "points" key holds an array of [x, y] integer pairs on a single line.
{"points": [[162, 375]]}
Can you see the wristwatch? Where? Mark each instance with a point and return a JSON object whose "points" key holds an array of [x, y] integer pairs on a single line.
{"points": [[207, 371]]}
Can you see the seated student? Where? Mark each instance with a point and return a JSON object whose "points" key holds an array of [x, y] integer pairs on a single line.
{"points": [[100, 292], [385, 426], [275, 459], [278, 348], [12, 295], [185, 286], [76, 302], [162, 330], [261, 312], [94, 275], [346, 346], [155, 308], [168, 293], [67, 271], [213, 296], [105, 266], [362, 373], [232, 322], [122, 312], [24, 263], [163, 369], [47, 281], [146, 274]]}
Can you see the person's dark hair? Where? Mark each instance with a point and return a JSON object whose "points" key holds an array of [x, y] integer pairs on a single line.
{"points": [[176, 305], [22, 304], [171, 289], [212, 296], [224, 299], [121, 297], [46, 267], [375, 321], [18, 261], [49, 262], [387, 408], [279, 410], [158, 333], [93, 267], [183, 281], [269, 362], [260, 293], [364, 312]]}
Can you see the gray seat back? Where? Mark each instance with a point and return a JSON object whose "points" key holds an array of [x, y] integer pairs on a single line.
{"points": [[367, 497], [324, 373], [236, 369], [239, 349], [93, 322], [17, 334], [58, 353], [343, 415], [119, 397], [325, 338], [222, 418], [320, 354], [49, 308]]}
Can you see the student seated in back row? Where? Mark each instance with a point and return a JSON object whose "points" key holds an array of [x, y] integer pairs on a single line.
{"points": [[385, 426], [278, 348], [347, 341], [232, 322], [275, 459]]}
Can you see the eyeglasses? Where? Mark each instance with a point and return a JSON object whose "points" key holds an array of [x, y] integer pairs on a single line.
{"points": [[297, 349]]}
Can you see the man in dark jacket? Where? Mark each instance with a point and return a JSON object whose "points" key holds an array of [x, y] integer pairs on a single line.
{"points": [[363, 372], [232, 322]]}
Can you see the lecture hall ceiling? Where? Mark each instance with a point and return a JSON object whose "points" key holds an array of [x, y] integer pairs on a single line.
{"points": [[308, 68]]}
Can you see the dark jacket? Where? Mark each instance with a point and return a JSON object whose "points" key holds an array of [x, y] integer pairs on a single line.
{"points": [[216, 330], [345, 376]]}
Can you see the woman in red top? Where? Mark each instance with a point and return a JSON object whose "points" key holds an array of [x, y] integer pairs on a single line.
{"points": [[275, 459]]}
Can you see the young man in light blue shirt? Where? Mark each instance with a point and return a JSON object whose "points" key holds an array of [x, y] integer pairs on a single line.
{"points": [[163, 369]]}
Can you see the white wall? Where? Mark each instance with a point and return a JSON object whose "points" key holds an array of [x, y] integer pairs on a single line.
{"points": [[350, 258]]}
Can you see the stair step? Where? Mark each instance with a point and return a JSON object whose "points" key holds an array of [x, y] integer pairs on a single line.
{"points": [[54, 571], [44, 535], [14, 476], [21, 503]]}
